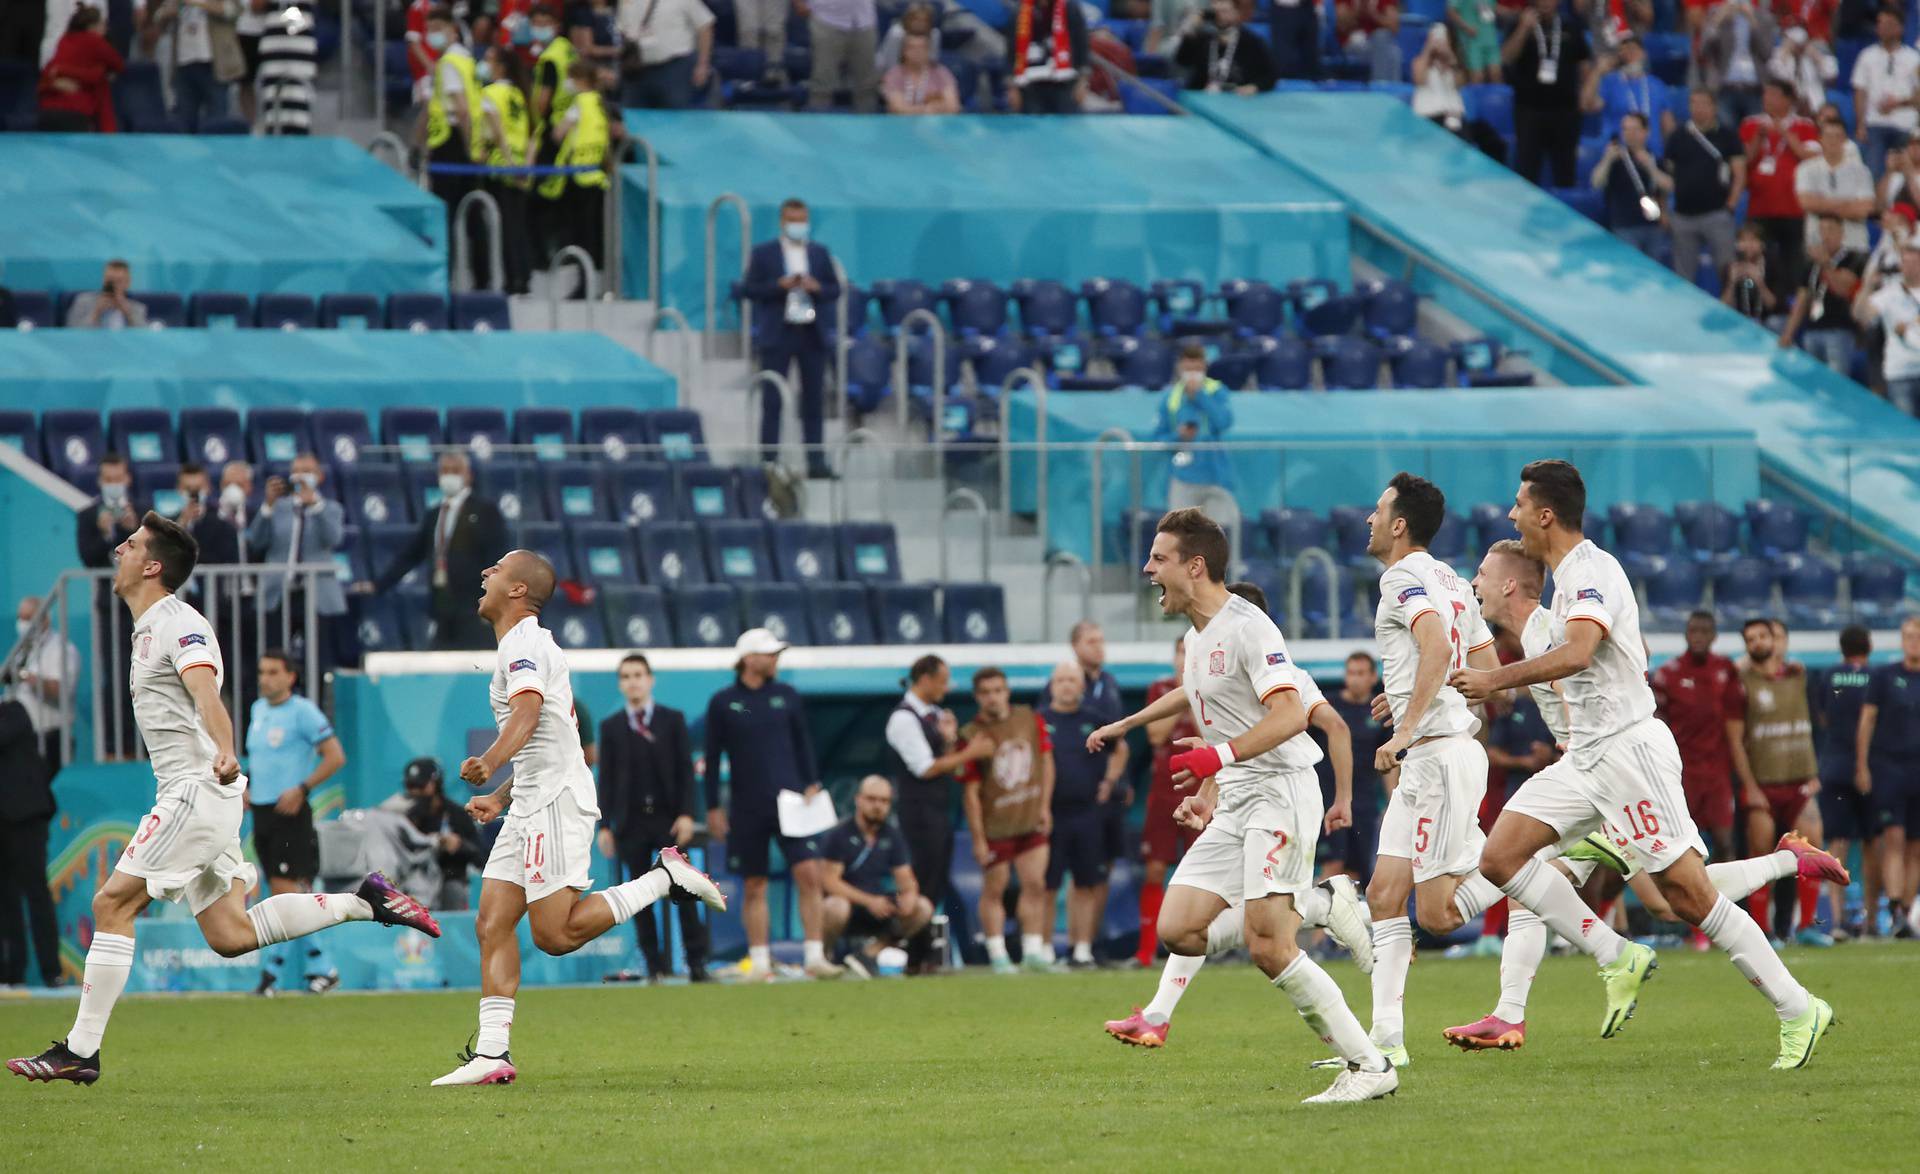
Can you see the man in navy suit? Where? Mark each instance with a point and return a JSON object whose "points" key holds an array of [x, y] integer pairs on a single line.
{"points": [[795, 294]]}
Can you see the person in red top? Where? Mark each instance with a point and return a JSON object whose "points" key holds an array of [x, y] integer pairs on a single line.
{"points": [[420, 55], [1697, 694], [1815, 16], [76, 87], [1162, 840], [1776, 140], [1369, 30]]}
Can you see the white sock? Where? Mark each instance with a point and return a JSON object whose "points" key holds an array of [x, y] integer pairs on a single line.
{"points": [[1519, 961], [1313, 907], [109, 962], [1392, 955], [1083, 951], [1737, 878], [1179, 971], [1227, 931], [295, 915], [996, 947], [760, 958], [1032, 945], [812, 953], [627, 900], [1746, 943], [1320, 1003], [496, 1019], [1541, 888], [1474, 895]]}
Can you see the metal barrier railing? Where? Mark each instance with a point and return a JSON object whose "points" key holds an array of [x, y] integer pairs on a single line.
{"points": [[1125, 80], [653, 216], [938, 332], [841, 457], [1097, 563], [1058, 561], [389, 142], [589, 282], [971, 498], [491, 224], [737, 202], [1296, 580], [842, 304], [684, 347], [1037, 382]]}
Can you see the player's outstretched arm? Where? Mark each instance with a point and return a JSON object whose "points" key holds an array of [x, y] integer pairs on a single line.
{"points": [[1340, 754], [205, 691], [1564, 660], [1168, 704], [1431, 673]]}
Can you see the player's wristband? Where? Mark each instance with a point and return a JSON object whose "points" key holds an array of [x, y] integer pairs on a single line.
{"points": [[1204, 762]]}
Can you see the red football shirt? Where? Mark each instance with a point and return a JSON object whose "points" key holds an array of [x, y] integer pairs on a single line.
{"points": [[1772, 162], [1696, 700], [1162, 793]]}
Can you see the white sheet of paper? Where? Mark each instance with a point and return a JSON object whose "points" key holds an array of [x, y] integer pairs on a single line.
{"points": [[801, 816]]}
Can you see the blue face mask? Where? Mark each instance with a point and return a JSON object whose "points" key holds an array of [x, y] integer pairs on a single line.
{"points": [[796, 230], [542, 33], [438, 42], [483, 70]]}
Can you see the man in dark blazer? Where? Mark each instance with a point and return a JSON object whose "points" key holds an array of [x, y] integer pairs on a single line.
{"points": [[100, 527], [795, 295], [26, 810], [646, 801], [459, 540]]}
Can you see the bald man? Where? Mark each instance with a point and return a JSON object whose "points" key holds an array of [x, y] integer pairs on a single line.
{"points": [[539, 865], [1082, 785], [871, 892]]}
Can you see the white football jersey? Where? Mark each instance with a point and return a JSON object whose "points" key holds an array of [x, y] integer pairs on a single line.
{"points": [[1536, 639], [168, 640], [551, 763], [1611, 693], [1231, 669], [1417, 584]]}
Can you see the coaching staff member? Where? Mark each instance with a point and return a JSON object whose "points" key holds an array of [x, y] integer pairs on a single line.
{"points": [[462, 538]]}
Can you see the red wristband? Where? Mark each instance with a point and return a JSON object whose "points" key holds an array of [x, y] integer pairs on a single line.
{"points": [[1202, 762]]}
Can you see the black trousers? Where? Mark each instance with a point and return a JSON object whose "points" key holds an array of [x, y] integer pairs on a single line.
{"points": [[927, 822], [450, 188], [113, 634], [1549, 135], [516, 240], [586, 213], [23, 881], [783, 348], [1048, 98], [1785, 238], [637, 854], [1296, 41]]}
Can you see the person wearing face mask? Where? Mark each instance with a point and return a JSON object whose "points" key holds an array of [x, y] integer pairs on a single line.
{"points": [[576, 204], [506, 130], [100, 526], [44, 685], [1218, 55], [549, 100], [794, 292], [235, 503], [219, 540], [451, 108], [458, 540], [1193, 412], [299, 524]]}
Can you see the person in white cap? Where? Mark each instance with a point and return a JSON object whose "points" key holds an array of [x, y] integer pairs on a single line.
{"points": [[760, 726]]}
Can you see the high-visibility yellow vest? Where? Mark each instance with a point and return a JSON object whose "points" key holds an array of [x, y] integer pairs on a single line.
{"points": [[515, 123], [439, 127], [585, 146], [560, 54]]}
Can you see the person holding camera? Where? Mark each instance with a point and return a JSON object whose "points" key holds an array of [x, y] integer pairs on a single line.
{"points": [[296, 524], [1634, 186], [1894, 302], [1620, 85], [1218, 55], [1709, 170], [1746, 288], [1824, 304], [219, 541], [110, 308]]}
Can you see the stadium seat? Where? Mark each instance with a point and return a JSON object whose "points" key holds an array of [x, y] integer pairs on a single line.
{"points": [[74, 444], [1493, 103], [1321, 616], [1336, 315], [1234, 369], [1477, 361], [418, 311], [144, 436], [1351, 362], [671, 556], [737, 551], [1273, 582], [515, 485], [705, 617], [907, 612], [636, 616], [481, 431], [1710, 530], [677, 433], [422, 483], [1142, 362], [1047, 309], [750, 489], [1490, 524], [381, 625], [283, 311], [140, 101], [1673, 588], [165, 311], [1420, 364], [154, 488], [574, 492], [920, 368], [1173, 298], [804, 552], [839, 613], [1742, 588], [1254, 307], [869, 373], [1810, 588], [415, 431], [549, 540], [603, 552], [547, 431], [705, 492], [349, 311], [341, 438], [897, 299], [1392, 309], [973, 613], [1114, 306], [481, 311], [33, 309], [1351, 534], [780, 608], [574, 625], [642, 492], [1639, 530], [859, 312], [615, 432], [992, 360], [1282, 363], [1290, 531], [1778, 528], [1449, 543], [275, 436], [1877, 588], [976, 308], [20, 432], [374, 496], [869, 552], [385, 544], [216, 308]]}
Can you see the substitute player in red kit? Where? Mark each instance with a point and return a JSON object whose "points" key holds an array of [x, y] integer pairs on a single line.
{"points": [[1162, 840]]}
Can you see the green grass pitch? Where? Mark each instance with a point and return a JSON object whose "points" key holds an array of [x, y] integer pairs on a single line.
{"points": [[975, 1072]]}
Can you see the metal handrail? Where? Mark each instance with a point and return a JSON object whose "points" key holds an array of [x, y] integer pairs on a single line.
{"points": [[939, 333], [613, 211], [387, 140], [1033, 378], [781, 387], [653, 216], [1123, 78], [589, 280], [1297, 576], [686, 356], [842, 449], [967, 497], [1098, 562], [1055, 562], [736, 201], [496, 256]]}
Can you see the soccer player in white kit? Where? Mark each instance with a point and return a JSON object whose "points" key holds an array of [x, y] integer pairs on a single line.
{"points": [[188, 847], [1258, 796], [540, 865], [1621, 766]]}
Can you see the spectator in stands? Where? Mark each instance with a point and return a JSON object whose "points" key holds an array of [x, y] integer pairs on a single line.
{"points": [[1734, 43], [1167, 22], [1369, 30], [1008, 798], [1886, 79], [219, 542], [872, 893], [26, 812], [1478, 34], [762, 25], [289, 53], [249, 26], [1635, 187], [1085, 784], [506, 127], [1772, 751], [670, 55], [919, 18], [458, 844], [584, 135], [199, 92], [1746, 286], [1846, 812], [49, 670], [463, 537], [1807, 64], [76, 86], [109, 307], [1295, 29], [1218, 55], [1822, 315], [100, 527], [1709, 170], [1698, 695], [236, 499], [758, 725], [1835, 183], [1194, 414], [299, 524], [1619, 85], [1901, 183], [1777, 141], [452, 102], [1894, 302], [794, 289], [1437, 78], [420, 54], [1104, 93], [1887, 766], [920, 84], [845, 36], [1546, 58], [1047, 58]]}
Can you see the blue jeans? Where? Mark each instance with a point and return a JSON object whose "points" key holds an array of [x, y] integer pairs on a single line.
{"points": [[1880, 140], [1383, 56], [1834, 347], [1904, 393], [197, 97], [665, 85]]}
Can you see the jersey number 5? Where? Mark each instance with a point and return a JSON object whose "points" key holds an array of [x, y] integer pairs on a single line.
{"points": [[1453, 633]]}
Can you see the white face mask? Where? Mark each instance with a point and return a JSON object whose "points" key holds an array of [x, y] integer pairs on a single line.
{"points": [[451, 484], [21, 626], [113, 493], [307, 480], [232, 497]]}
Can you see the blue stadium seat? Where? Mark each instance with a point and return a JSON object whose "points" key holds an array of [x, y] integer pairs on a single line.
{"points": [[780, 608], [897, 299], [1494, 103], [859, 313], [737, 551], [277, 435], [907, 612], [1810, 587], [1337, 315], [1292, 530], [1674, 587], [706, 492], [140, 101], [705, 617], [350, 557], [1640, 530], [1449, 543], [20, 432], [415, 431], [1420, 364], [1234, 369], [1282, 362], [481, 431], [670, 555], [1314, 618], [869, 373], [1047, 309], [515, 485], [481, 311], [1710, 530], [1490, 524], [1877, 588], [869, 552], [642, 492], [418, 311], [1254, 307], [165, 311], [1351, 534], [349, 311], [574, 625], [341, 438], [974, 613], [1142, 362], [603, 552], [382, 627], [636, 616], [840, 613], [1173, 298], [750, 489], [1114, 306], [1478, 363], [1778, 527], [33, 309], [1273, 582], [677, 433], [547, 431], [218, 308], [374, 496], [422, 482], [154, 488], [574, 492], [990, 361], [1392, 309], [1742, 587], [385, 542], [212, 436], [804, 552], [549, 539], [976, 308], [144, 436], [283, 311], [613, 431], [1351, 362], [74, 444], [920, 368]]}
